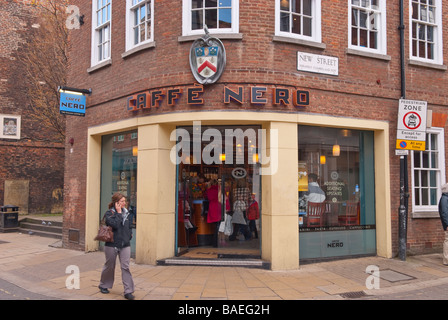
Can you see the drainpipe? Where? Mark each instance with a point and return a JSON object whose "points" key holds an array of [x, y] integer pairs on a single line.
{"points": [[401, 28], [404, 189]]}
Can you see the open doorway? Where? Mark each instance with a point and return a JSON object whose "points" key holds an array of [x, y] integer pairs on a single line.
{"points": [[219, 193]]}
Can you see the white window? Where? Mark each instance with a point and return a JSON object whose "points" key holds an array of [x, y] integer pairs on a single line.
{"points": [[220, 16], [299, 19], [425, 19], [101, 24], [139, 22], [428, 172], [367, 25]]}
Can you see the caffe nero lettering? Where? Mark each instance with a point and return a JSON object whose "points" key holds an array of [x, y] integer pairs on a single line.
{"points": [[259, 95], [335, 244]]}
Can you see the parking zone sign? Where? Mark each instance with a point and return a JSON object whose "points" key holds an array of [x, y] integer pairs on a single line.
{"points": [[411, 126]]}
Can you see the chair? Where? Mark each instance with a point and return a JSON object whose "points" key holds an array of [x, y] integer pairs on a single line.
{"points": [[314, 214], [331, 213], [351, 215]]}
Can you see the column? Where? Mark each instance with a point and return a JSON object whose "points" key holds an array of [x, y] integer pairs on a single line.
{"points": [[280, 237], [156, 178]]}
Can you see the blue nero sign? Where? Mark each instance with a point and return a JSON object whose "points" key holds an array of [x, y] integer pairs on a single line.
{"points": [[72, 104]]}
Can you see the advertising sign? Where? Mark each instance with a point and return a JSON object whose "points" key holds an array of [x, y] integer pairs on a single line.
{"points": [[72, 103], [411, 126]]}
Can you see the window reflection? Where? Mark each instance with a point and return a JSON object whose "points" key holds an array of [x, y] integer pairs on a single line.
{"points": [[329, 191]]}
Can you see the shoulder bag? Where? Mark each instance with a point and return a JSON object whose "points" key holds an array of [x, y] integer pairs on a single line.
{"points": [[105, 232]]}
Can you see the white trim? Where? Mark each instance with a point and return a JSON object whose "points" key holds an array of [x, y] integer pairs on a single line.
{"points": [[186, 20], [130, 25], [316, 24], [438, 30], [94, 40], [382, 30], [12, 133], [441, 178]]}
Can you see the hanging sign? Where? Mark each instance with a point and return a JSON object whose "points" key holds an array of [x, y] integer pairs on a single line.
{"points": [[411, 126], [72, 101], [72, 104]]}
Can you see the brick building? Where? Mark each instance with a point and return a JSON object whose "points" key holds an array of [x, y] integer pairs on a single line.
{"points": [[322, 80], [31, 164]]}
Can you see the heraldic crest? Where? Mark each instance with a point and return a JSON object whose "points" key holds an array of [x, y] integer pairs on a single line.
{"points": [[207, 58]]}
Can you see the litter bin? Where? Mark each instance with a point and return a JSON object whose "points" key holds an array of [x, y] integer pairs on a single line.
{"points": [[9, 218]]}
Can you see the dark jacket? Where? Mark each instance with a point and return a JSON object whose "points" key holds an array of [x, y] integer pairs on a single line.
{"points": [[122, 229], [443, 210]]}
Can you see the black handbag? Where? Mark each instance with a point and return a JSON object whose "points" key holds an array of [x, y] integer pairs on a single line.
{"points": [[105, 232]]}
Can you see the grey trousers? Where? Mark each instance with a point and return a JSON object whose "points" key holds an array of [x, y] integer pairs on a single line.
{"points": [[108, 273], [445, 249]]}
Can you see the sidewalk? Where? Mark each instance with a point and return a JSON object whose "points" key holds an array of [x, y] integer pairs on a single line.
{"points": [[31, 262]]}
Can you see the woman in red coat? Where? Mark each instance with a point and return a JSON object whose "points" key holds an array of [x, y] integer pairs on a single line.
{"points": [[214, 209], [253, 213]]}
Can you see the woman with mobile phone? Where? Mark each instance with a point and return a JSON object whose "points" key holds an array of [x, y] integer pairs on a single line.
{"points": [[119, 219]]}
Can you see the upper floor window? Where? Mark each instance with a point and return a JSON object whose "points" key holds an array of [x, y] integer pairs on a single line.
{"points": [[139, 22], [428, 168], [220, 16], [426, 30], [298, 19], [101, 22], [367, 25]]}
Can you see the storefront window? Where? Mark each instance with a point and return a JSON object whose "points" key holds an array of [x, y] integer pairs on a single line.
{"points": [[336, 192], [218, 192], [119, 172]]}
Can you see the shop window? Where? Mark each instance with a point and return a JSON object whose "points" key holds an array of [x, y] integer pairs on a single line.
{"points": [[139, 22], [426, 30], [427, 172], [298, 19], [220, 16], [367, 25], [119, 172], [336, 192], [101, 30]]}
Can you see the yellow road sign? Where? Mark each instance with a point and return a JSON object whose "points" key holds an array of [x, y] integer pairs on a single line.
{"points": [[411, 145]]}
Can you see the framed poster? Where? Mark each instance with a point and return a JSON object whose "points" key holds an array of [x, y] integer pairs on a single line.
{"points": [[10, 126]]}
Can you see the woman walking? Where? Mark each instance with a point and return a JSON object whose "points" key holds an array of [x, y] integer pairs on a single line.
{"points": [[118, 218]]}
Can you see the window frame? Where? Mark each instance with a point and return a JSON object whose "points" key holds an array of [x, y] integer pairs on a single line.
{"points": [[186, 21], [130, 16], [316, 25], [382, 28], [96, 29], [440, 176], [437, 35]]}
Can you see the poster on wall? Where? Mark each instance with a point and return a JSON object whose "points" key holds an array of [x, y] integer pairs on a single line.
{"points": [[303, 176], [10, 126]]}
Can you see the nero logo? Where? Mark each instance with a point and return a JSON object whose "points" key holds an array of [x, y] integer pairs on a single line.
{"points": [[335, 244]]}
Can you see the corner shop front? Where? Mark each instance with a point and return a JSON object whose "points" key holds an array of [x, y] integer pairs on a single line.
{"points": [[157, 180]]}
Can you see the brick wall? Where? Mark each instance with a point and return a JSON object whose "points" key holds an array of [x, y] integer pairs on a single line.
{"points": [[30, 159], [366, 88]]}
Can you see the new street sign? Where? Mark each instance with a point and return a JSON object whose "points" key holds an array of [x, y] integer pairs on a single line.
{"points": [[411, 126]]}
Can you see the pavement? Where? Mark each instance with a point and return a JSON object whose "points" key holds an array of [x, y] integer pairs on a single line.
{"points": [[42, 267]]}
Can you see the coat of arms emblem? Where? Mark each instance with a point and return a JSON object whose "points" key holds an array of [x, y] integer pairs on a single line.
{"points": [[207, 59]]}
